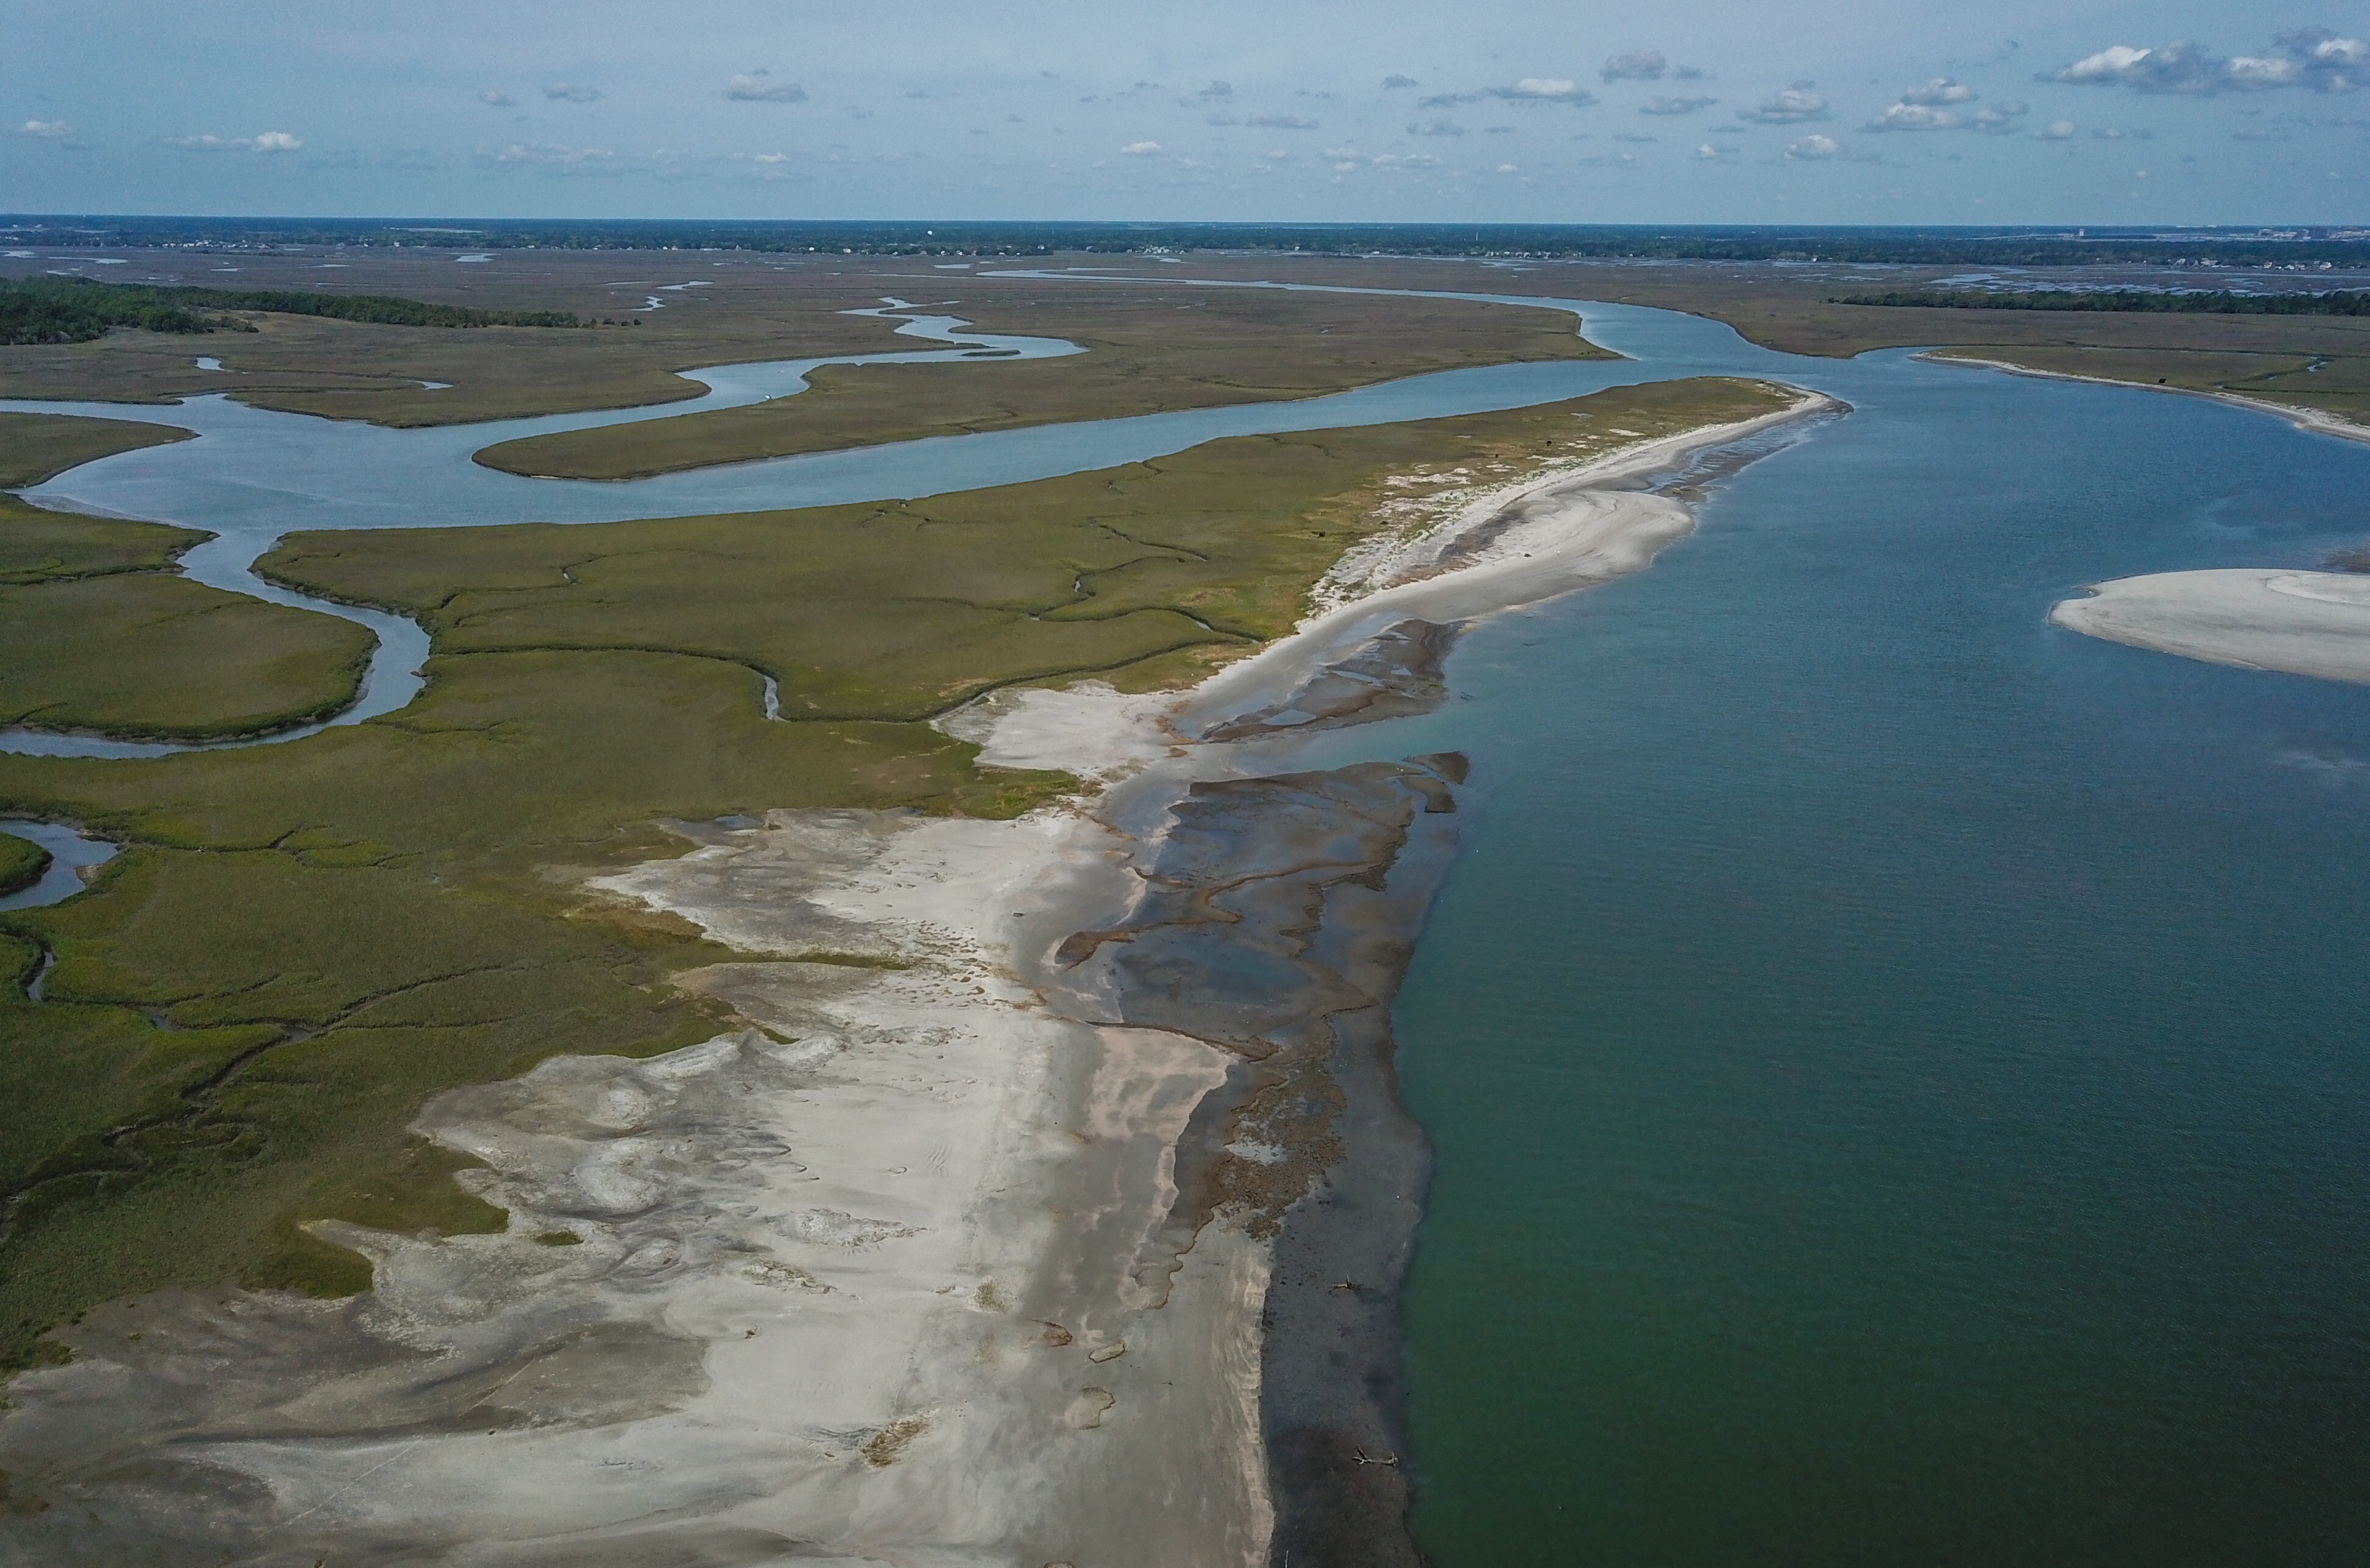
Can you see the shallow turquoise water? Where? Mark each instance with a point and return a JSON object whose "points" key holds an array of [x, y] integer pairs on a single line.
{"points": [[1900, 1071]]}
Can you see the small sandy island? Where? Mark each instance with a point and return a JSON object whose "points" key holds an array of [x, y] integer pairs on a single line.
{"points": [[2257, 618], [1051, 1209]]}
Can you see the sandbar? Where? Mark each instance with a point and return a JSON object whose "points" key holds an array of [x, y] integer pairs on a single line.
{"points": [[2303, 622]]}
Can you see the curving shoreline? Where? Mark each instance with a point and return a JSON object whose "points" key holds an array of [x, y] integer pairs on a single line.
{"points": [[2312, 421], [1039, 1213], [2301, 623]]}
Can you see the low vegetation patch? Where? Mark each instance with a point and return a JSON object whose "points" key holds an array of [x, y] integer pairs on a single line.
{"points": [[35, 447], [76, 310], [149, 656], [96, 635], [21, 863], [2127, 302]]}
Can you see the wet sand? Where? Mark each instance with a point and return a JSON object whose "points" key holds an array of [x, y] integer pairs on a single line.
{"points": [[1051, 1209]]}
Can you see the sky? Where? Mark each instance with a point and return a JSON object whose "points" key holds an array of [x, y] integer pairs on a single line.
{"points": [[1841, 111]]}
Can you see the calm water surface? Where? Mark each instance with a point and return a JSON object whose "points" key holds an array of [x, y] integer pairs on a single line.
{"points": [[1900, 1070]]}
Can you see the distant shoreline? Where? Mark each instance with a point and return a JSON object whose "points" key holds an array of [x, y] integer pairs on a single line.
{"points": [[2312, 421]]}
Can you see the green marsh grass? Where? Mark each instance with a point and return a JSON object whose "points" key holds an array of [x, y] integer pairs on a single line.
{"points": [[302, 942]]}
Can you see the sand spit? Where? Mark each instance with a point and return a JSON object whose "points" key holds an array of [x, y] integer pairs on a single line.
{"points": [[2303, 622], [2313, 421], [1051, 1209]]}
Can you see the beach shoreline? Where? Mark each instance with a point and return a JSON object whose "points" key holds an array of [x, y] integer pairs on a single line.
{"points": [[2313, 421], [994, 1237], [2269, 618]]}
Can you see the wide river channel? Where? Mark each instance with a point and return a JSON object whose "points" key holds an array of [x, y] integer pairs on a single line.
{"points": [[1900, 1070]]}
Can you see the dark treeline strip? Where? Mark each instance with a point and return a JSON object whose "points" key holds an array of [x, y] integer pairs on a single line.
{"points": [[76, 310], [1920, 247], [2341, 302]]}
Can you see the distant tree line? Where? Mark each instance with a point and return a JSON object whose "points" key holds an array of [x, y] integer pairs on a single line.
{"points": [[2335, 301], [76, 310], [2001, 246]]}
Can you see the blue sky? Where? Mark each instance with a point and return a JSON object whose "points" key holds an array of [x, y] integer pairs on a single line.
{"points": [[1699, 111]]}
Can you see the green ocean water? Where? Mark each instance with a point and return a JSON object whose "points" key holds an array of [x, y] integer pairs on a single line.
{"points": [[1900, 1072]]}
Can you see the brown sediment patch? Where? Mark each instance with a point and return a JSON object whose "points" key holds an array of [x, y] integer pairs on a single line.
{"points": [[1396, 673], [886, 1446], [1277, 917]]}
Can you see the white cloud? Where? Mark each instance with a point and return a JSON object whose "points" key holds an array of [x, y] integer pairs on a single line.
{"points": [[754, 89], [1283, 121], [550, 157], [47, 130], [1711, 155], [1914, 117], [1530, 89], [1505, 168], [1684, 105], [2057, 130], [1441, 127], [1646, 65], [1398, 81], [1812, 147], [2313, 58], [1140, 150], [2109, 64], [1941, 90], [1792, 107], [269, 142], [494, 99], [2000, 118], [569, 92]]}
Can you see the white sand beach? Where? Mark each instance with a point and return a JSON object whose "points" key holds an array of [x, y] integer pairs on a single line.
{"points": [[2303, 622]]}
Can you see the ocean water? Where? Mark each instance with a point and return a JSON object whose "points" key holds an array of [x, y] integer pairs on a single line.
{"points": [[1898, 1070]]}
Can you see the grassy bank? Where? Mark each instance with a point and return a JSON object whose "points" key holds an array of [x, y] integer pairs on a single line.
{"points": [[38, 545], [96, 635], [21, 863], [149, 656], [337, 927], [35, 447]]}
